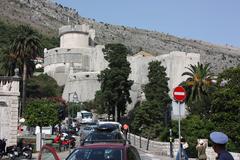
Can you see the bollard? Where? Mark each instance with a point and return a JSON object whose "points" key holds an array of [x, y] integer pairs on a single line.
{"points": [[171, 145], [140, 142], [147, 143], [134, 140]]}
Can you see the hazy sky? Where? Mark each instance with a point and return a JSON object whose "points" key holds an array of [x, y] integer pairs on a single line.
{"points": [[215, 21]]}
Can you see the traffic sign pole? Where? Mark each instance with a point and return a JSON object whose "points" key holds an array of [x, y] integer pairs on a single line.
{"points": [[179, 95], [179, 131]]}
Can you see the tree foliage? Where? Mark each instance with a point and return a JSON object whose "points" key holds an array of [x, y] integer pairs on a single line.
{"points": [[42, 86], [192, 128], [115, 85], [225, 109], [157, 88], [7, 35], [24, 49], [41, 112], [99, 103], [198, 86], [152, 113], [77, 107]]}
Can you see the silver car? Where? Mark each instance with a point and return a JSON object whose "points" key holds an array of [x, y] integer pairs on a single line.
{"points": [[84, 131]]}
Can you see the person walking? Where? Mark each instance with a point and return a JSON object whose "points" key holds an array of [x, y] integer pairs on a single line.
{"points": [[184, 147], [201, 149], [125, 130], [220, 140]]}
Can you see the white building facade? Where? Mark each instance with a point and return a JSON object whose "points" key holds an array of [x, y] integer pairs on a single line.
{"points": [[76, 64]]}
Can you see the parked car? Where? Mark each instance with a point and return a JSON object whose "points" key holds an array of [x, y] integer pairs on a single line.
{"points": [[105, 151], [95, 151]]}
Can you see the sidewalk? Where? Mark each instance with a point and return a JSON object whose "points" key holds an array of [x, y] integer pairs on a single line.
{"points": [[62, 155]]}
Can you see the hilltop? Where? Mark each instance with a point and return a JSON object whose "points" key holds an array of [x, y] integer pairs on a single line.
{"points": [[47, 16]]}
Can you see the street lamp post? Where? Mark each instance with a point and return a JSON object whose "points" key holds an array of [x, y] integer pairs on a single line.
{"points": [[75, 99]]}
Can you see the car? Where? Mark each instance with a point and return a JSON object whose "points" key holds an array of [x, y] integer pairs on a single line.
{"points": [[85, 116], [85, 131], [104, 133], [105, 151], [116, 124], [95, 151]]}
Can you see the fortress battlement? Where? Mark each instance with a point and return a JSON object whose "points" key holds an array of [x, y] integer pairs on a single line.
{"points": [[83, 29]]}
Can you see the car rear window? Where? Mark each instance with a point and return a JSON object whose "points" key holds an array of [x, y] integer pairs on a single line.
{"points": [[99, 136], [96, 154]]}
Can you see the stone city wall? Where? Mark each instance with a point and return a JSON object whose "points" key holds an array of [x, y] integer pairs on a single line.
{"points": [[163, 148]]}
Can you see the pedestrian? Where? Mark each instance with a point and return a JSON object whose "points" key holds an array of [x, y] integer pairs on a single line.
{"points": [[125, 129], [201, 149], [184, 147], [219, 141]]}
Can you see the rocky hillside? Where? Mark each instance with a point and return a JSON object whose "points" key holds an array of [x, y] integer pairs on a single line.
{"points": [[47, 17]]}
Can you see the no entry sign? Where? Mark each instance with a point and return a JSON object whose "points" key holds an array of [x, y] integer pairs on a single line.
{"points": [[179, 94]]}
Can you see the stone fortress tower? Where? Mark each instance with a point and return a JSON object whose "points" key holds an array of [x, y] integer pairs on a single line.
{"points": [[77, 62]]}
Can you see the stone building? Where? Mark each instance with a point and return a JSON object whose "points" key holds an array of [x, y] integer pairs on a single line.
{"points": [[77, 62], [9, 102]]}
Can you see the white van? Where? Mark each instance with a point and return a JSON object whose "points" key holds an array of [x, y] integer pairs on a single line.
{"points": [[85, 117]]}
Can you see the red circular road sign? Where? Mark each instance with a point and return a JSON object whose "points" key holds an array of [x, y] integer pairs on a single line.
{"points": [[179, 94]]}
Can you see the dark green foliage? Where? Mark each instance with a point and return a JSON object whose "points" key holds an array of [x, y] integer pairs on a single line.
{"points": [[153, 113], [198, 85], [115, 85], [76, 107], [157, 88], [7, 35], [226, 106], [41, 112], [61, 112], [48, 42], [24, 49], [199, 80], [149, 114], [99, 103], [192, 128], [42, 86]]}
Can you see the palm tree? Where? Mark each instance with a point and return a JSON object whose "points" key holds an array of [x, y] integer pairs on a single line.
{"points": [[198, 84], [25, 47], [7, 63]]}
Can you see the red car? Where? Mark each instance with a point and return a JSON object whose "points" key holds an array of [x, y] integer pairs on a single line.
{"points": [[102, 151], [105, 151]]}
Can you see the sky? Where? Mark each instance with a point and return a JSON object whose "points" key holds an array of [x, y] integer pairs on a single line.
{"points": [[214, 21]]}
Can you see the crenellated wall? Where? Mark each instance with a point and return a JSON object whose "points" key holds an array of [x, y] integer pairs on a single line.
{"points": [[9, 104]]}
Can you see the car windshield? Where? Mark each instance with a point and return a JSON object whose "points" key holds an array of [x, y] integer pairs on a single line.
{"points": [[96, 154], [87, 115], [101, 136]]}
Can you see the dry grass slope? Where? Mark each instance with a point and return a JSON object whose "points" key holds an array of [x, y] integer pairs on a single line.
{"points": [[47, 17]]}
